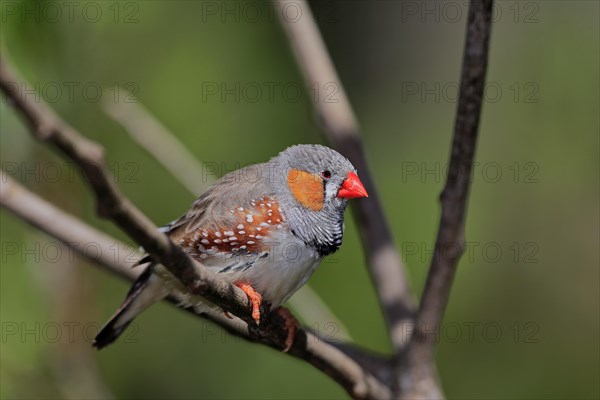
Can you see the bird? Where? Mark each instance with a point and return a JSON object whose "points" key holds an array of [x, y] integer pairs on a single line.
{"points": [[264, 228]]}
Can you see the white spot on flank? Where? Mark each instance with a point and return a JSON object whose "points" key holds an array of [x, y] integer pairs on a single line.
{"points": [[218, 234], [258, 228], [249, 242], [241, 208], [269, 221], [228, 233], [242, 247], [240, 226], [204, 233], [217, 241], [263, 224], [249, 218], [242, 232], [251, 236], [233, 238], [259, 236], [204, 241], [234, 243]]}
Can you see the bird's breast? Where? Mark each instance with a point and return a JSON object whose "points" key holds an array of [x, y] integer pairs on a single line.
{"points": [[288, 266]]}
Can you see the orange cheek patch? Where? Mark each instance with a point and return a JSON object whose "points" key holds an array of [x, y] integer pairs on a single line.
{"points": [[307, 188]]}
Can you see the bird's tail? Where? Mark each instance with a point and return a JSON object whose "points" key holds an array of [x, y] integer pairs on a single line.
{"points": [[147, 290]]}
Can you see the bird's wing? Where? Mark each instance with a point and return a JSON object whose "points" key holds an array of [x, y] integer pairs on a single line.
{"points": [[228, 227], [234, 190]]}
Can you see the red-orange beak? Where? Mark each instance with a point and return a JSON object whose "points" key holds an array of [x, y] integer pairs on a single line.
{"points": [[352, 188]]}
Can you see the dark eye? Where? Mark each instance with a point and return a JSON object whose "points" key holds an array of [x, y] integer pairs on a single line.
{"points": [[326, 174]]}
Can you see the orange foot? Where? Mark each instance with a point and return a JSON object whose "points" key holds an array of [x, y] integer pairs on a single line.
{"points": [[255, 299], [291, 326]]}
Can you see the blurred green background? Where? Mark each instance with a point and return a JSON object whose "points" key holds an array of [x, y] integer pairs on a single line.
{"points": [[523, 319]]}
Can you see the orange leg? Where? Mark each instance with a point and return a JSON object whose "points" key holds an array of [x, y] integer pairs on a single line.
{"points": [[255, 299], [291, 326]]}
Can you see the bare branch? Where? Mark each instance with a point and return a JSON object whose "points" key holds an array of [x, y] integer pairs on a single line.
{"points": [[418, 377], [450, 241], [117, 257], [151, 135], [341, 129], [48, 127]]}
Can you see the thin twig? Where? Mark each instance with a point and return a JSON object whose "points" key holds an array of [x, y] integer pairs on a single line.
{"points": [[110, 253], [450, 241], [157, 140], [341, 129], [49, 128], [418, 376]]}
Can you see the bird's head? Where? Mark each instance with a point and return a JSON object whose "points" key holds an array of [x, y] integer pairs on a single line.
{"points": [[314, 184]]}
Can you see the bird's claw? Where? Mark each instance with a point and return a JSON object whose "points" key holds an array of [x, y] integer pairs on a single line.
{"points": [[291, 325], [255, 299]]}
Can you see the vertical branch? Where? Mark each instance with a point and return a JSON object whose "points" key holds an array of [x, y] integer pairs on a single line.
{"points": [[341, 129], [417, 377], [450, 240]]}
